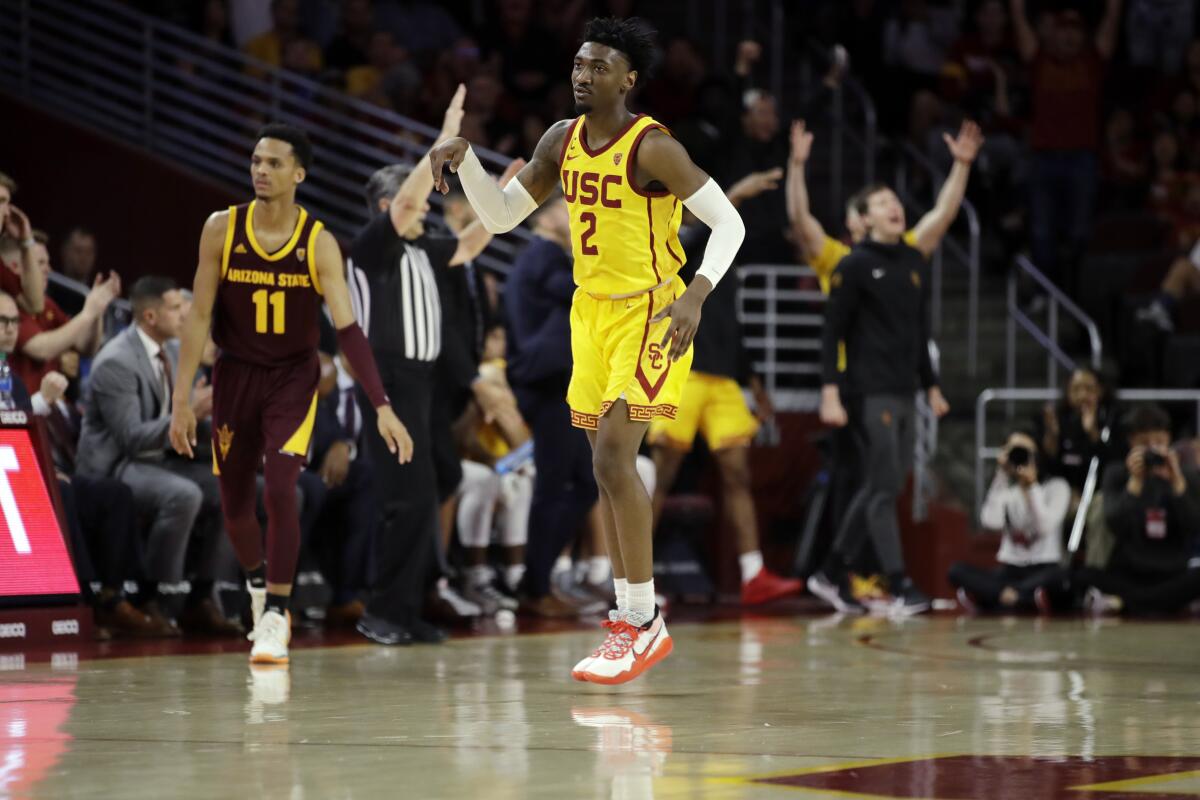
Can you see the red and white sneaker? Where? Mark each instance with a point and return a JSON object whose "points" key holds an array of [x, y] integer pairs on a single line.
{"points": [[628, 651], [580, 669], [767, 586]]}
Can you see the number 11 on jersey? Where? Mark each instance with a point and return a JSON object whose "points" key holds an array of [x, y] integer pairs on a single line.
{"points": [[262, 299]]}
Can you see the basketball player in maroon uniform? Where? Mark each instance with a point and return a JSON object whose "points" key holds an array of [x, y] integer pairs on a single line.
{"points": [[264, 268]]}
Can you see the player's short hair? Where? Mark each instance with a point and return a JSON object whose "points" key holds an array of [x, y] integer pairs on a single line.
{"points": [[147, 292], [1146, 418], [302, 147], [41, 237], [634, 38], [860, 199], [78, 230], [8, 183], [384, 183]]}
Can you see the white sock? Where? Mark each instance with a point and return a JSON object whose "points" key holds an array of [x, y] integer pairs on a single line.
{"points": [[561, 564], [621, 587], [641, 602], [513, 574], [751, 563], [598, 570]]}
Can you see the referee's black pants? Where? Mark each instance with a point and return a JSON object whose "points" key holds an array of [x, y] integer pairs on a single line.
{"points": [[564, 487], [406, 495]]}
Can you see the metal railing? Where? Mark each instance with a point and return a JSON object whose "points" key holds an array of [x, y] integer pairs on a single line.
{"points": [[1056, 357], [968, 254], [782, 310], [199, 103], [984, 453]]}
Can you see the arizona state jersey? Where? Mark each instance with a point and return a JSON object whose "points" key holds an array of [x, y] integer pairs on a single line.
{"points": [[268, 304], [624, 237]]}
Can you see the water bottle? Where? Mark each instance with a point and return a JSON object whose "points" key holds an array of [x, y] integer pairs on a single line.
{"points": [[6, 398]]}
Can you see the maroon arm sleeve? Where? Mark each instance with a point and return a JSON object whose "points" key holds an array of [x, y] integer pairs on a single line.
{"points": [[354, 347]]}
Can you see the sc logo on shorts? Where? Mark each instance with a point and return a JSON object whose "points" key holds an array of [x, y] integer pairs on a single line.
{"points": [[656, 355]]}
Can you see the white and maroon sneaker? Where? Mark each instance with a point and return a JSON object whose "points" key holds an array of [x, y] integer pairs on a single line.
{"points": [[627, 651]]}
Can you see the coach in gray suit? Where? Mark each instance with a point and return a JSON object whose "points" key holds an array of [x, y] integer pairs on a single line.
{"points": [[125, 436]]}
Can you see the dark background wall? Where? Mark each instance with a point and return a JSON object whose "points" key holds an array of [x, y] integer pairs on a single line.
{"points": [[146, 213]]}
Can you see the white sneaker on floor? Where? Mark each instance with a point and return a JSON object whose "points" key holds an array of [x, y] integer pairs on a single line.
{"points": [[258, 602], [459, 604], [579, 672], [628, 651], [271, 637]]}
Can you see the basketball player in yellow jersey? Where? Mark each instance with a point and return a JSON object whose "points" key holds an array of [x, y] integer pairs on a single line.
{"points": [[624, 178]]}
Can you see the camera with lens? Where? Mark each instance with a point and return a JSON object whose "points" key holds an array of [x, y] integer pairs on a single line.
{"points": [[1153, 459], [1019, 456]]}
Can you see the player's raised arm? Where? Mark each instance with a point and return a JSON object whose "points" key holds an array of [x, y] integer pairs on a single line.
{"points": [[354, 347], [799, 211], [663, 159], [473, 239], [410, 199], [501, 210], [195, 331], [932, 227]]}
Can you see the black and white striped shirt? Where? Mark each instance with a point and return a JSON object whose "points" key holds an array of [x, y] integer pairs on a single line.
{"points": [[394, 290]]}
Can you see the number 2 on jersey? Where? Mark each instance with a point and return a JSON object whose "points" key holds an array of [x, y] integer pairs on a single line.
{"points": [[261, 300], [588, 249]]}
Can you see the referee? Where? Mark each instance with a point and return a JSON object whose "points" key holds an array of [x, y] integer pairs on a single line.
{"points": [[879, 307], [393, 276]]}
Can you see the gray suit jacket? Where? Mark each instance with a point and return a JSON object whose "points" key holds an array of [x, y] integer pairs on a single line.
{"points": [[124, 420]]}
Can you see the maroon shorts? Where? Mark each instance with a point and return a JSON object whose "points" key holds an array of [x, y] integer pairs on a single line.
{"points": [[260, 410]]}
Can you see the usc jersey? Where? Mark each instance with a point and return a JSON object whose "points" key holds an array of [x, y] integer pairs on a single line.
{"points": [[268, 304], [624, 237]]}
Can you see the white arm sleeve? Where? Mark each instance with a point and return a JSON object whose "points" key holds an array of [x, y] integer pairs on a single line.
{"points": [[712, 207], [499, 210]]}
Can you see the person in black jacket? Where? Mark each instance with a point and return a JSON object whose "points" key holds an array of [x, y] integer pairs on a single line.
{"points": [[1152, 507], [879, 307]]}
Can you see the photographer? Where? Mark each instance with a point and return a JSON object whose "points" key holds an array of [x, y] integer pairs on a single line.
{"points": [[1030, 513], [1152, 507]]}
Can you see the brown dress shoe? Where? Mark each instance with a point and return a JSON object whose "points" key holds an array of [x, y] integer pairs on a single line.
{"points": [[125, 620], [164, 627], [205, 619], [549, 607], [346, 615]]}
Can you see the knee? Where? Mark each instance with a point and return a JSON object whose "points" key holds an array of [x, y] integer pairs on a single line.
{"points": [[608, 467], [735, 474], [186, 498]]}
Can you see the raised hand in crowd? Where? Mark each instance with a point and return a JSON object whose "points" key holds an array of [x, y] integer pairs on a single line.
{"points": [[17, 225], [966, 145], [54, 387], [752, 185], [103, 292]]}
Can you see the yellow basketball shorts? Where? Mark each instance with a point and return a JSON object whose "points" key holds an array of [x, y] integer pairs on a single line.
{"points": [[712, 405], [617, 354]]}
